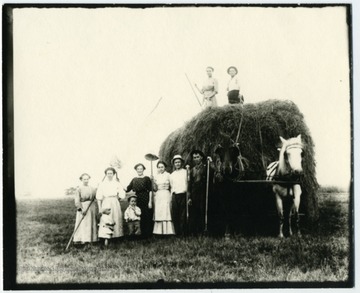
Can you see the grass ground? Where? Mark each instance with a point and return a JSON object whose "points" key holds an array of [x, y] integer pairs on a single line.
{"points": [[45, 226]]}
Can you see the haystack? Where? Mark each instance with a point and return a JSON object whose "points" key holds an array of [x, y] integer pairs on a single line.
{"points": [[261, 125]]}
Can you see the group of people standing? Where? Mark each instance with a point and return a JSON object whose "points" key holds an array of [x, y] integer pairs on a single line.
{"points": [[164, 204], [210, 88]]}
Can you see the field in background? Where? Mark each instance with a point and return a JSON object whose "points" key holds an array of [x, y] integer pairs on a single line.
{"points": [[45, 226]]}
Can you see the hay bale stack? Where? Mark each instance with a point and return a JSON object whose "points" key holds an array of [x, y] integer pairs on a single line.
{"points": [[261, 125]]}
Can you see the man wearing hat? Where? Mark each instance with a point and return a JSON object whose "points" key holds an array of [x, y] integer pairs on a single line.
{"points": [[197, 187], [233, 87], [178, 183]]}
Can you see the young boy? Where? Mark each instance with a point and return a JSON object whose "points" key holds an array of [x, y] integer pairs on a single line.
{"points": [[132, 216]]}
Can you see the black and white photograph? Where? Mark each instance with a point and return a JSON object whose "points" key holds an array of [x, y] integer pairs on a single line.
{"points": [[178, 146]]}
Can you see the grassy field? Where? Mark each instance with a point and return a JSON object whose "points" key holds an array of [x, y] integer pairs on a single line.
{"points": [[45, 226]]}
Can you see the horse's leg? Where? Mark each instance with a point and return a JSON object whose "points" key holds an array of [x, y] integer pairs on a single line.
{"points": [[290, 198], [297, 195], [227, 232], [228, 213], [227, 217], [279, 207], [290, 216]]}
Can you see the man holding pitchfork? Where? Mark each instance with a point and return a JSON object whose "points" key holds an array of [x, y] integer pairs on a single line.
{"points": [[199, 185]]}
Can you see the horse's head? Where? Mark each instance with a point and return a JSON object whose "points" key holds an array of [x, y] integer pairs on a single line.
{"points": [[291, 154], [228, 159]]}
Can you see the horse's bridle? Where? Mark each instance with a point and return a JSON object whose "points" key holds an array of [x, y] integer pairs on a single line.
{"points": [[295, 145]]}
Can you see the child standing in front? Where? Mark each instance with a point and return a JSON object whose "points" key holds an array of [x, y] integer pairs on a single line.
{"points": [[132, 216], [108, 195]]}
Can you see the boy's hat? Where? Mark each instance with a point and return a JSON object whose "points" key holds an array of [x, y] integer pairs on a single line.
{"points": [[130, 195], [177, 157], [233, 68]]}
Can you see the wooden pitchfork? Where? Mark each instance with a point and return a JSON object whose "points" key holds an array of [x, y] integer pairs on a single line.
{"points": [[77, 227]]}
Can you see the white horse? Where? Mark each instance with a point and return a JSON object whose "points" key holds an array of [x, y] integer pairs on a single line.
{"points": [[288, 168]]}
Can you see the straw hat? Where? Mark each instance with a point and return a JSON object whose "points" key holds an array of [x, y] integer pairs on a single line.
{"points": [[177, 157], [130, 195], [233, 68]]}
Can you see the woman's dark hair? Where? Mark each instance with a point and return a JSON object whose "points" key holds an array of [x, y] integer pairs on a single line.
{"points": [[110, 169], [139, 164], [84, 174], [161, 162], [114, 172]]}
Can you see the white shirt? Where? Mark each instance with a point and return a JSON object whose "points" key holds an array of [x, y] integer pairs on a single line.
{"points": [[233, 84], [132, 213], [162, 180], [210, 88], [109, 188], [178, 181]]}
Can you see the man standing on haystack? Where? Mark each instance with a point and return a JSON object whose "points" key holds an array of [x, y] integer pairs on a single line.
{"points": [[233, 87], [198, 187]]}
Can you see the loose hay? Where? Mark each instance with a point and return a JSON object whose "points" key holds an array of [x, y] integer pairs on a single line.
{"points": [[261, 125]]}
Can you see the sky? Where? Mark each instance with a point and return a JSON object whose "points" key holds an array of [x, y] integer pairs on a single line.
{"points": [[86, 80]]}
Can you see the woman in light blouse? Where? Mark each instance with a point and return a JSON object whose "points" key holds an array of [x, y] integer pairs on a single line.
{"points": [[163, 224], [209, 90], [84, 202], [108, 195]]}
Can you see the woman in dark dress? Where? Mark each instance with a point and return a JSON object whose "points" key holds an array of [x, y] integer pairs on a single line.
{"points": [[142, 187]]}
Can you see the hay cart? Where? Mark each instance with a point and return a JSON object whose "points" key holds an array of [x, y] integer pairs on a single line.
{"points": [[255, 208]]}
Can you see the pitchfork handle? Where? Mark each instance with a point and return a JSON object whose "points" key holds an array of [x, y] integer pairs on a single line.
{"points": [[83, 216]]}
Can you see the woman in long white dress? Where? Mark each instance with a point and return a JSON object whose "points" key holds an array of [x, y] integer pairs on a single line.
{"points": [[108, 196], [163, 224], [86, 207]]}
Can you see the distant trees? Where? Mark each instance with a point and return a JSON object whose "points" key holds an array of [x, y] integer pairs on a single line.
{"points": [[115, 162], [70, 190]]}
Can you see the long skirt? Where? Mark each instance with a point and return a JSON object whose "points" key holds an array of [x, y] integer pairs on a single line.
{"points": [[209, 102], [162, 213], [87, 231], [146, 221], [111, 226]]}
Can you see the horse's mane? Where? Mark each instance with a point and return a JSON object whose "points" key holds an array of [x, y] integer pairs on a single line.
{"points": [[282, 163]]}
